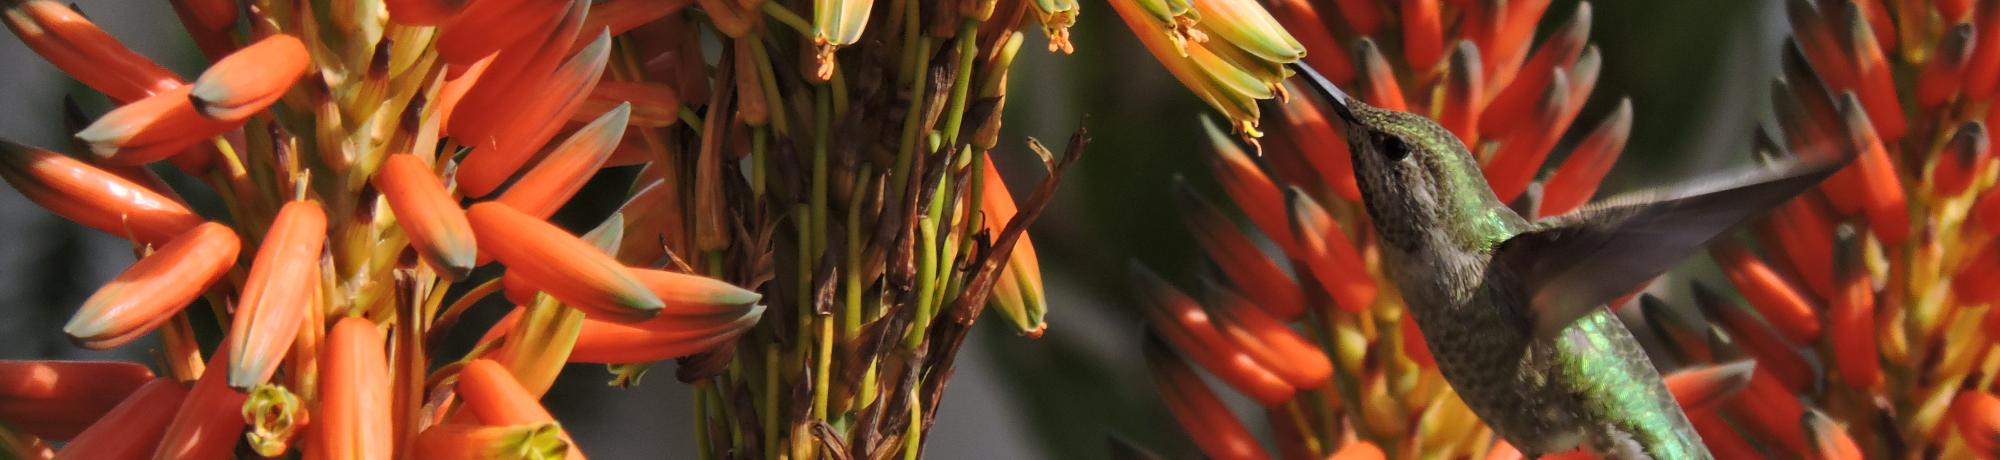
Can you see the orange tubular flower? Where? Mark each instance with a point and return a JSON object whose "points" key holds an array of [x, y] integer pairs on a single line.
{"points": [[660, 338], [492, 394], [58, 399], [1220, 435], [1777, 299], [278, 293], [504, 150], [354, 416], [133, 428], [154, 289], [423, 12], [568, 166], [1241, 261], [432, 220], [225, 96], [79, 48], [553, 261], [1329, 254], [92, 196], [1181, 320], [1701, 389], [210, 421]]}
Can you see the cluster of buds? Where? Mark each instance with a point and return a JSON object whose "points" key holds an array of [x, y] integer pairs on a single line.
{"points": [[393, 165], [1315, 333], [1867, 304]]}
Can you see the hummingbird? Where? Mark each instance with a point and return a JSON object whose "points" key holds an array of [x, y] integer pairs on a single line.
{"points": [[1513, 309]]}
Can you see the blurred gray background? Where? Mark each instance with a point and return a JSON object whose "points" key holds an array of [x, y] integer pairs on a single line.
{"points": [[1696, 70]]}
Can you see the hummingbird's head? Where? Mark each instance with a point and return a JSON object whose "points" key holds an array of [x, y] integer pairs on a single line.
{"points": [[1416, 178]]}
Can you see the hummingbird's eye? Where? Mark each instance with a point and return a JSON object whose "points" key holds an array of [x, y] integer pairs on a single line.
{"points": [[1391, 147]]}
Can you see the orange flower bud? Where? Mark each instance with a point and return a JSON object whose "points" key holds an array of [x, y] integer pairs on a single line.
{"points": [[653, 105], [568, 166], [1577, 179], [154, 289], [1329, 254], [1703, 388], [1830, 440], [432, 220], [515, 70], [495, 398], [1251, 189], [535, 120], [133, 428], [1269, 340], [1246, 267], [151, 129], [660, 338], [277, 294], [1201, 414], [58, 399], [1775, 356], [354, 417], [1776, 298], [80, 49], [210, 421], [486, 26], [1177, 317], [93, 197], [1976, 415], [453, 441], [423, 12], [562, 265], [1513, 107], [250, 79]]}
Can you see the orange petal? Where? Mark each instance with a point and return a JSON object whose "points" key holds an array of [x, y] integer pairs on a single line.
{"points": [[694, 295], [1976, 414], [1702, 389], [1722, 439], [1414, 344], [1511, 35], [1772, 411], [660, 338], [93, 197], [133, 428], [58, 399], [210, 420], [1423, 33], [80, 49], [458, 80], [1522, 151], [1318, 139], [1201, 415], [1358, 450], [486, 26], [1874, 83], [513, 71], [1464, 93], [1872, 178], [1775, 356], [1251, 189], [423, 12], [552, 182], [1943, 75], [1688, 341], [354, 419], [492, 394], [646, 214], [1329, 254], [1830, 440], [1801, 231], [1183, 322], [250, 79], [1776, 298], [1955, 168], [1323, 51], [1851, 320], [536, 120], [432, 220], [1984, 68], [1365, 16], [1376, 79], [1246, 267], [560, 264], [156, 288], [150, 129], [1514, 105], [453, 441], [278, 293], [1269, 340], [1577, 179]]}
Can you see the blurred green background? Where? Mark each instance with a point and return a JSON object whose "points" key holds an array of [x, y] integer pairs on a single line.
{"points": [[1696, 71]]}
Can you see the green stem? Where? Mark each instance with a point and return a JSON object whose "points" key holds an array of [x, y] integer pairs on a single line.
{"points": [[917, 54], [759, 136], [927, 265], [778, 11], [851, 314], [961, 88], [822, 106], [701, 445]]}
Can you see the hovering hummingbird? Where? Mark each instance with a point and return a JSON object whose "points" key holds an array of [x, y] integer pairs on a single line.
{"points": [[1513, 310]]}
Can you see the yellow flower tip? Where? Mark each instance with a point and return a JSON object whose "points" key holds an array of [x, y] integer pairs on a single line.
{"points": [[823, 60], [1057, 26], [274, 415]]}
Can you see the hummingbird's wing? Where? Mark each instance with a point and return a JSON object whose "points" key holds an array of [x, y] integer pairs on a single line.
{"points": [[1571, 264]]}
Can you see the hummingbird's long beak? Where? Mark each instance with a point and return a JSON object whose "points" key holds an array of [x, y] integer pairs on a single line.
{"points": [[1334, 96]]}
